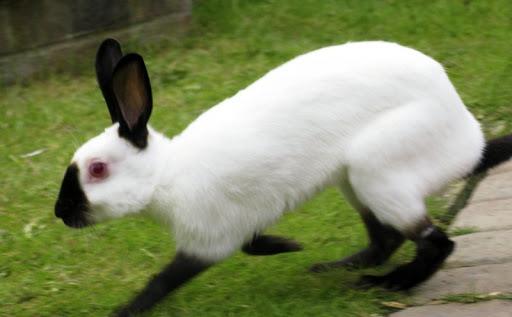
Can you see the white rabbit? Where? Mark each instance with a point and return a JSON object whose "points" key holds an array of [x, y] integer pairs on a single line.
{"points": [[379, 120]]}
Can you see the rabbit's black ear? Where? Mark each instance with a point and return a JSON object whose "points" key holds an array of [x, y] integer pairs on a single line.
{"points": [[132, 89], [108, 55]]}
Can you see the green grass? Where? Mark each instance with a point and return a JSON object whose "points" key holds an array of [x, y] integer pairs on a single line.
{"points": [[460, 231], [47, 269]]}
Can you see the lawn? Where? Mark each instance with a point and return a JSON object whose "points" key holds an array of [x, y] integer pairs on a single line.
{"points": [[47, 269]]}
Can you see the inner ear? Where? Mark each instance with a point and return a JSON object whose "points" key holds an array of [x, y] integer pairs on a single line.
{"points": [[132, 89]]}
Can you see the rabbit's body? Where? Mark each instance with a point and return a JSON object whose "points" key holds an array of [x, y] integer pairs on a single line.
{"points": [[384, 116], [380, 121]]}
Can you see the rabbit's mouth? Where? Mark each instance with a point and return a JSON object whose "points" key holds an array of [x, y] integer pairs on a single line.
{"points": [[72, 205]]}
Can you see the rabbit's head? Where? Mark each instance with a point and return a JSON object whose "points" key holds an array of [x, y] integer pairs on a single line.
{"points": [[113, 173]]}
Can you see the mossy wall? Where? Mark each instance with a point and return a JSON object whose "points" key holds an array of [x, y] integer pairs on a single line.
{"points": [[36, 35]]}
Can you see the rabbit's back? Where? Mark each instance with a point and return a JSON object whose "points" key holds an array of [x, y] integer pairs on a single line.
{"points": [[294, 131], [307, 112]]}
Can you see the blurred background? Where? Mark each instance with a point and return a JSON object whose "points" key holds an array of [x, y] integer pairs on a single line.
{"points": [[47, 36], [199, 53]]}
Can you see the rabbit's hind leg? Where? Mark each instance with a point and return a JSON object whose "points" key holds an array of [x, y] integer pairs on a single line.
{"points": [[383, 240], [397, 204]]}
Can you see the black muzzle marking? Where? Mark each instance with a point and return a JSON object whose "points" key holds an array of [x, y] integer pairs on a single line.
{"points": [[72, 205]]}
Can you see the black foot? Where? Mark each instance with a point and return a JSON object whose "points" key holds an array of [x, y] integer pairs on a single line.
{"points": [[183, 268], [366, 258], [397, 280], [270, 245], [431, 253], [384, 241]]}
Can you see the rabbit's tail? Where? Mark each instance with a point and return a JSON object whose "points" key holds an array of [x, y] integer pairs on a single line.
{"points": [[496, 151]]}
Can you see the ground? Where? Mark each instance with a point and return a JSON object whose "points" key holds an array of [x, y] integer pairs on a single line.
{"points": [[47, 269]]}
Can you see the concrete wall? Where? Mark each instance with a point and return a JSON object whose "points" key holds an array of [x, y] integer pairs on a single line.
{"points": [[39, 36]]}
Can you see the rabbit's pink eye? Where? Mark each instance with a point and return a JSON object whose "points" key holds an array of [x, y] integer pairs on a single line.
{"points": [[98, 170]]}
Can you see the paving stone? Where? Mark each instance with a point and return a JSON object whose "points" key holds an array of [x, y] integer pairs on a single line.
{"points": [[483, 279], [497, 186], [494, 308], [502, 168], [481, 248], [486, 216]]}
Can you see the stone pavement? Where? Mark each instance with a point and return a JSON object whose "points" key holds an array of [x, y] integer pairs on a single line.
{"points": [[481, 266]]}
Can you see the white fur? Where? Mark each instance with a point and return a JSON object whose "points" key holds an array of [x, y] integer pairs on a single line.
{"points": [[380, 120]]}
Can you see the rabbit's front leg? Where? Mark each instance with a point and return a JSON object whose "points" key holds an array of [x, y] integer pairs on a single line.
{"points": [[183, 268], [270, 245]]}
